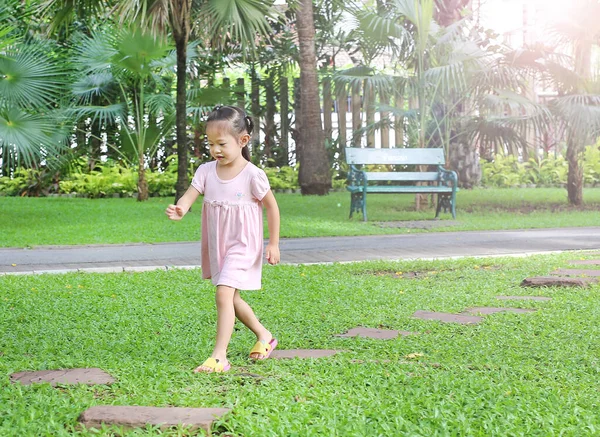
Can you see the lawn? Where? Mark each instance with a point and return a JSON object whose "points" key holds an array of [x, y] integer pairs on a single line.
{"points": [[533, 374], [43, 221]]}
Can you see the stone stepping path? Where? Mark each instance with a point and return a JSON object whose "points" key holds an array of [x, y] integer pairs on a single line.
{"points": [[380, 334], [588, 262], [302, 353], [576, 272], [557, 281], [139, 417], [493, 310], [447, 317], [538, 298], [92, 376]]}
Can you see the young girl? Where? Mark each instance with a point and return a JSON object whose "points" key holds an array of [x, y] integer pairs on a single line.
{"points": [[234, 190]]}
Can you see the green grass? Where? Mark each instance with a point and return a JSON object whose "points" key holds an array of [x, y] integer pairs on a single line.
{"points": [[530, 374], [44, 221]]}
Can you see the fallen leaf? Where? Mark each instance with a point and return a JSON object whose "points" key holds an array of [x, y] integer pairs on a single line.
{"points": [[413, 356]]}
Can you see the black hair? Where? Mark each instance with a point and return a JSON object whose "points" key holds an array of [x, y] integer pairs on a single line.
{"points": [[239, 122]]}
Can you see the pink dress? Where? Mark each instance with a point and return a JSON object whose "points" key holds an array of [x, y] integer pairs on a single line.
{"points": [[232, 225]]}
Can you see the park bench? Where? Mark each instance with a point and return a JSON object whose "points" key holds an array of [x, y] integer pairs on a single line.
{"points": [[361, 181]]}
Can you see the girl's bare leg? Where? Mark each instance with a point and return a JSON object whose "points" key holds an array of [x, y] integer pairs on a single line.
{"points": [[244, 313], [225, 321]]}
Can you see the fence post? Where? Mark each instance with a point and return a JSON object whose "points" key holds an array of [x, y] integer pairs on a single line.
{"points": [[327, 109], [369, 96], [399, 122], [240, 92], [297, 118], [255, 109], [284, 118], [356, 117], [270, 115], [342, 108], [383, 119]]}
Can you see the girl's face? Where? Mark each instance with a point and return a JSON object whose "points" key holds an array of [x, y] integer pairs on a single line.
{"points": [[225, 148]]}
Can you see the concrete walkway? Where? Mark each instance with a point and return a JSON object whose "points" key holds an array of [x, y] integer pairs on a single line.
{"points": [[139, 257]]}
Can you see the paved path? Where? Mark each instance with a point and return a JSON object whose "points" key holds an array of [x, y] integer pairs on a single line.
{"points": [[136, 257]]}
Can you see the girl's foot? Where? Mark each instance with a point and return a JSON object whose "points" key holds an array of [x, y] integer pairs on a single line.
{"points": [[262, 350], [213, 365], [265, 338]]}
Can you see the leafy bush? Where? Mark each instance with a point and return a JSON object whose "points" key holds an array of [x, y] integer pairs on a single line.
{"points": [[108, 180], [282, 178], [507, 171], [28, 182]]}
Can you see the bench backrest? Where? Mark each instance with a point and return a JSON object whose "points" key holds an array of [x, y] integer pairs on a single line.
{"points": [[355, 155]]}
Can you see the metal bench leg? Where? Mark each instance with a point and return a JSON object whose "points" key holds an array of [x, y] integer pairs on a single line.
{"points": [[453, 201], [357, 203], [445, 201]]}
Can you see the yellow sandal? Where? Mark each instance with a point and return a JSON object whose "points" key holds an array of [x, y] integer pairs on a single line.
{"points": [[263, 349], [214, 364]]}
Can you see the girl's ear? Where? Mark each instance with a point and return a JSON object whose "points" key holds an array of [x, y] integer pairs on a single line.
{"points": [[244, 139]]}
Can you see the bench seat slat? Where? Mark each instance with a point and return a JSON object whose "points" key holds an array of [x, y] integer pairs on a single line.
{"points": [[402, 176]]}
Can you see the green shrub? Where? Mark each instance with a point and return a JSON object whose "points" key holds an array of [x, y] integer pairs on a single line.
{"points": [[282, 178], [507, 171]]}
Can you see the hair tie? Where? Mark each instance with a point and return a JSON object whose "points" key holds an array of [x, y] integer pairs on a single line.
{"points": [[249, 124]]}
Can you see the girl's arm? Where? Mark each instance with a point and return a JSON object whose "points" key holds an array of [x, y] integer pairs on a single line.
{"points": [[176, 212], [272, 249]]}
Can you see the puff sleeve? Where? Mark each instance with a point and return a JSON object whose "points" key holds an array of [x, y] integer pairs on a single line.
{"points": [[199, 179], [259, 186]]}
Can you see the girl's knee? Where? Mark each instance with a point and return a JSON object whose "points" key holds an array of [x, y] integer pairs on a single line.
{"points": [[224, 294], [237, 298]]}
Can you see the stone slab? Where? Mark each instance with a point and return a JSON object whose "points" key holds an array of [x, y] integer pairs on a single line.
{"points": [[380, 334], [538, 298], [557, 281], [493, 310], [139, 417], [92, 376], [303, 353], [576, 272], [447, 317], [587, 262]]}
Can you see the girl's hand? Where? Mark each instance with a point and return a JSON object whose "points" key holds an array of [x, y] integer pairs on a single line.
{"points": [[174, 212], [272, 254]]}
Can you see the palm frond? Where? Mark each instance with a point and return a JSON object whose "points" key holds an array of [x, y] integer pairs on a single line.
{"points": [[579, 112], [95, 53], [236, 20], [108, 114], [27, 138], [160, 104], [93, 85], [29, 77]]}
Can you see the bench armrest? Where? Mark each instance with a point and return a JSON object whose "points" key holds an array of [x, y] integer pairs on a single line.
{"points": [[448, 178], [356, 177]]}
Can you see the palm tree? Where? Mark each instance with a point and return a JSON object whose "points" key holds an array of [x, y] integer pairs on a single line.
{"points": [[219, 21], [314, 174], [461, 88], [123, 69], [32, 80], [578, 105]]}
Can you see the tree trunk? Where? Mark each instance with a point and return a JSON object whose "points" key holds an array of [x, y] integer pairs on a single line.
{"points": [[142, 182], [182, 184], [575, 175], [314, 174]]}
